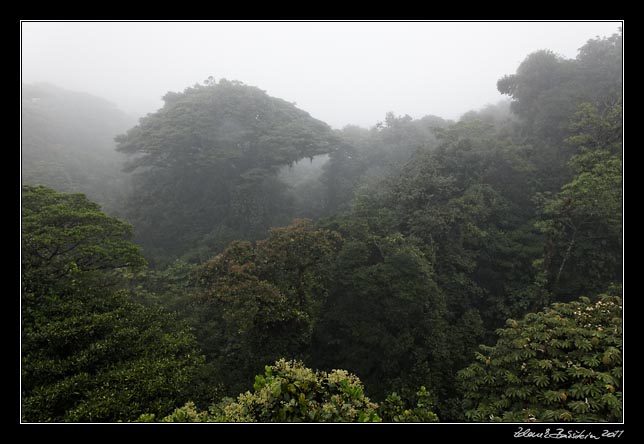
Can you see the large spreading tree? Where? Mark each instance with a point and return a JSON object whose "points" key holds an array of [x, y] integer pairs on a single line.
{"points": [[205, 166]]}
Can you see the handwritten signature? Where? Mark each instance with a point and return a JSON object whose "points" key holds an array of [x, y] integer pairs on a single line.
{"points": [[566, 434]]}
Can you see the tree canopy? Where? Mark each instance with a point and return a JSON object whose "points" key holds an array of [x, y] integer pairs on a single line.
{"points": [[88, 352], [205, 165], [256, 305], [422, 268], [559, 365]]}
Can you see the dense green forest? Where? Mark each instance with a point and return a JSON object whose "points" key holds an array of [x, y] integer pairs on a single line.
{"points": [[253, 264]]}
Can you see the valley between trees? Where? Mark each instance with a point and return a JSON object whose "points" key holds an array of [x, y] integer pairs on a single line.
{"points": [[232, 259]]}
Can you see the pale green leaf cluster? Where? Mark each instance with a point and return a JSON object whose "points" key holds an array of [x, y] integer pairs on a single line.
{"points": [[562, 364]]}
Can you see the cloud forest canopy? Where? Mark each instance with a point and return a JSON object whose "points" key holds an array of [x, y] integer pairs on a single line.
{"points": [[206, 165], [427, 237]]}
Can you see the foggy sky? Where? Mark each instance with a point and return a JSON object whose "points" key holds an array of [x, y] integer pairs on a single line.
{"points": [[342, 73]]}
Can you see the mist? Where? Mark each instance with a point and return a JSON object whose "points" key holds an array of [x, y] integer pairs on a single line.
{"points": [[341, 73], [322, 222]]}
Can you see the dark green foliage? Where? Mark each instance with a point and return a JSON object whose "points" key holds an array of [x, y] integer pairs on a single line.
{"points": [[600, 64], [472, 207], [583, 222], [88, 352], [100, 357], [444, 250], [563, 364], [66, 239], [468, 205], [547, 91], [431, 234], [542, 89], [384, 318], [256, 305], [206, 166], [169, 287]]}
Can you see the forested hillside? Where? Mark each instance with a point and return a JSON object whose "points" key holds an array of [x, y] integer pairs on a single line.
{"points": [[421, 270], [68, 143]]}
